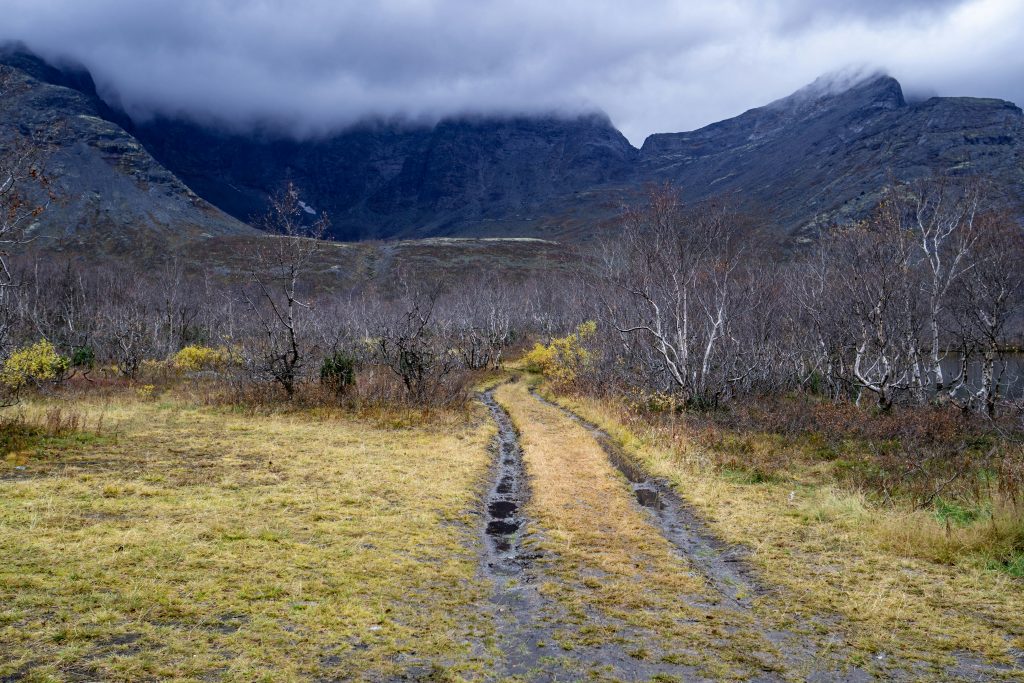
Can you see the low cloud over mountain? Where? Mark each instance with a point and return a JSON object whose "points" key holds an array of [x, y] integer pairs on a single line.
{"points": [[312, 66]]}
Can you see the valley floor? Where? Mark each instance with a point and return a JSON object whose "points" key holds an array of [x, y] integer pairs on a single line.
{"points": [[170, 541]]}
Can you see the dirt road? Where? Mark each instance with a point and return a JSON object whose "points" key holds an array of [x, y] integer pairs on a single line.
{"points": [[601, 572]]}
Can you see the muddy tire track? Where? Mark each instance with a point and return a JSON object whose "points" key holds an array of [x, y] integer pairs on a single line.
{"points": [[523, 628], [725, 567], [527, 623]]}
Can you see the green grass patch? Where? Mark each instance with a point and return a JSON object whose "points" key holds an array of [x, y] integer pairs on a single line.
{"points": [[958, 513], [1013, 565], [748, 476]]}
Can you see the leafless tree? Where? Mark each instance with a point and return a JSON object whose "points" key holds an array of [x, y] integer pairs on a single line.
{"points": [[416, 346], [991, 293], [275, 298], [678, 271], [481, 311], [941, 216], [127, 333], [878, 294]]}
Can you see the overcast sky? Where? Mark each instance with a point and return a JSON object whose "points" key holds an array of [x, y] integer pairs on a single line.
{"points": [[652, 65]]}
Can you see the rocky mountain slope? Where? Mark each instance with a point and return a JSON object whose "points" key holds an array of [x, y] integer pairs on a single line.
{"points": [[816, 157], [106, 186], [820, 155], [385, 180]]}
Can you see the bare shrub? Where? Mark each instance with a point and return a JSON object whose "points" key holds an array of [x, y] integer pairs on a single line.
{"points": [[276, 348], [417, 346]]}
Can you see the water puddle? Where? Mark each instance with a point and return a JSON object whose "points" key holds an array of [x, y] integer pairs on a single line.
{"points": [[528, 624], [505, 522]]}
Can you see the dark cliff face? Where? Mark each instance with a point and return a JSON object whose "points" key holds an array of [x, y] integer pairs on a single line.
{"points": [[387, 180], [801, 163]]}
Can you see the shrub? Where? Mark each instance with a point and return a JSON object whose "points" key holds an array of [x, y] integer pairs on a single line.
{"points": [[83, 358], [199, 358], [33, 364], [562, 359], [338, 372]]}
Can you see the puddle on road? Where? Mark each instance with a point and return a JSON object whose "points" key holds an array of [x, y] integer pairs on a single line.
{"points": [[528, 624], [505, 522]]}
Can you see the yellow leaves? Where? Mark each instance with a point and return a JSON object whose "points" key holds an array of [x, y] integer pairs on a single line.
{"points": [[562, 359], [198, 358], [37, 363]]}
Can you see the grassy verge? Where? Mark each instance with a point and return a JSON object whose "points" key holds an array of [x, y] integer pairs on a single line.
{"points": [[204, 544], [832, 550]]}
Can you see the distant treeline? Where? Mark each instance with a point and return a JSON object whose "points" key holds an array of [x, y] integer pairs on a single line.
{"points": [[689, 307]]}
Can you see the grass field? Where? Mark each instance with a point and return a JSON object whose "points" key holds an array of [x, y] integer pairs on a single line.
{"points": [[157, 538], [901, 579], [187, 543]]}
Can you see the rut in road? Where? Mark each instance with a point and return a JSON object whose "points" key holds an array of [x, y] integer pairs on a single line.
{"points": [[812, 656], [724, 567], [635, 612], [519, 605], [529, 624]]}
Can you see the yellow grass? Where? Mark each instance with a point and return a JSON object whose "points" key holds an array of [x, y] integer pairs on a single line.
{"points": [[831, 550], [189, 543]]}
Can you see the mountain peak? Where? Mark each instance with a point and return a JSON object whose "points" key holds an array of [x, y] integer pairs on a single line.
{"points": [[846, 90], [67, 74]]}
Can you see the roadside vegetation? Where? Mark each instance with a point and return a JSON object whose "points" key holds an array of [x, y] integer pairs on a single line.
{"points": [[914, 581]]}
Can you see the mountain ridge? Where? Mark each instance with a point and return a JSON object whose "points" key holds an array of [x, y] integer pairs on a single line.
{"points": [[103, 180], [817, 156], [825, 160]]}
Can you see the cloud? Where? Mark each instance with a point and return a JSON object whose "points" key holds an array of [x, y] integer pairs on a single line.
{"points": [[309, 66]]}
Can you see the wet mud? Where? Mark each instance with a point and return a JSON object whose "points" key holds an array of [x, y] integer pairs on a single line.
{"points": [[528, 625]]}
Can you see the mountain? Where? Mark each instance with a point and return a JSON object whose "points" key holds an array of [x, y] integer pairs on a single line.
{"points": [[386, 180], [821, 155], [106, 186], [816, 157]]}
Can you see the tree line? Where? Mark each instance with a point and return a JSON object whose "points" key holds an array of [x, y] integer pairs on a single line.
{"points": [[919, 303], [895, 308]]}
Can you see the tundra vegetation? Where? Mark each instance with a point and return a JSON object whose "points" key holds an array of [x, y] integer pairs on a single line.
{"points": [[268, 478]]}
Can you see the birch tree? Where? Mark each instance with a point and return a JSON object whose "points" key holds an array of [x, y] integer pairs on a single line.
{"points": [[677, 269], [275, 299], [875, 288], [992, 292], [941, 216]]}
